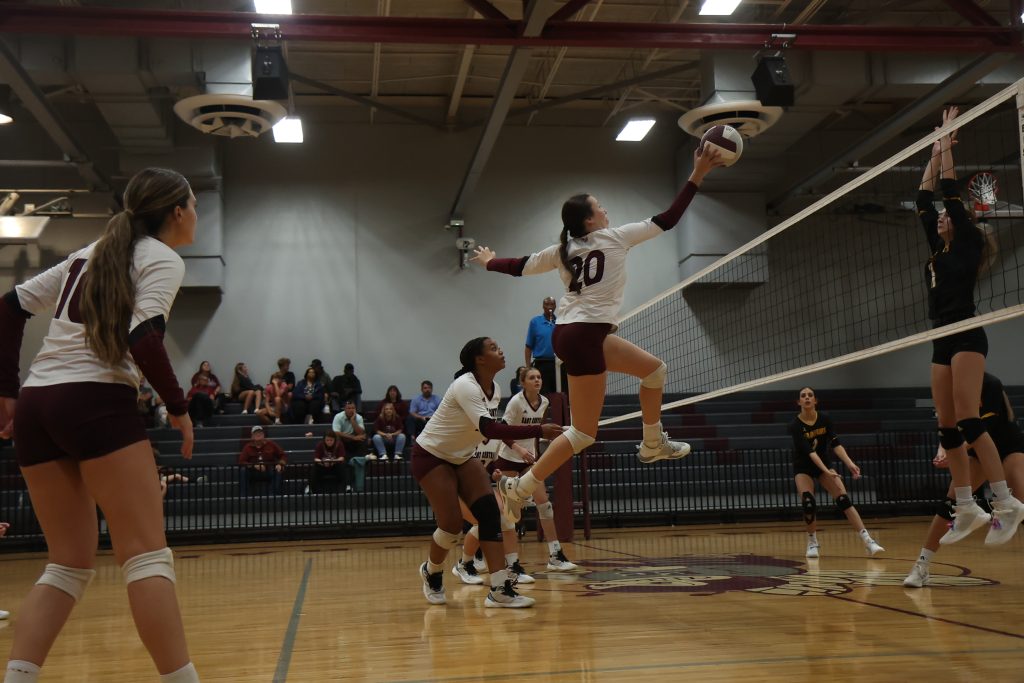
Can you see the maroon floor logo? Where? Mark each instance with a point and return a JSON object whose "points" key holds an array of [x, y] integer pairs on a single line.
{"points": [[717, 574]]}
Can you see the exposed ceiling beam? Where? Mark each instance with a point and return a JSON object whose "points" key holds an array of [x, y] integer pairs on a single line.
{"points": [[383, 9], [557, 63], [363, 100], [571, 7], [535, 14], [460, 80], [946, 91], [486, 9], [20, 18], [972, 13], [33, 99]]}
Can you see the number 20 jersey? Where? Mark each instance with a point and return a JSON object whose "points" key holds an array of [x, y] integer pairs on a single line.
{"points": [[595, 287], [157, 272]]}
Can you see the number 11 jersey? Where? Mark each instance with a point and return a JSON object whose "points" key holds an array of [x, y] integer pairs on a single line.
{"points": [[597, 280]]}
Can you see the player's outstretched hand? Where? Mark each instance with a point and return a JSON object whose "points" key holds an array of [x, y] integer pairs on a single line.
{"points": [[482, 255], [7, 406], [940, 460], [854, 470], [549, 430], [183, 423], [704, 159]]}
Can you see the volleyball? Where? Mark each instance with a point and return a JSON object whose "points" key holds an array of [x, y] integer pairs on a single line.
{"points": [[728, 141]]}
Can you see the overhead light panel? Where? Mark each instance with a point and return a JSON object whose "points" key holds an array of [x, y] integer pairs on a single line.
{"points": [[21, 229], [719, 8], [274, 6], [4, 119], [635, 130], [288, 129]]}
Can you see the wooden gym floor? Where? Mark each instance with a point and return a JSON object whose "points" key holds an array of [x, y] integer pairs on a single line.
{"points": [[695, 603]]}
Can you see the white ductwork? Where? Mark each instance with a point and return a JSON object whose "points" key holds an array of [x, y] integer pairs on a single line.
{"points": [[728, 98]]}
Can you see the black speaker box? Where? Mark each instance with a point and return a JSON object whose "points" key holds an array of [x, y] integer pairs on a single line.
{"points": [[269, 74], [772, 82]]}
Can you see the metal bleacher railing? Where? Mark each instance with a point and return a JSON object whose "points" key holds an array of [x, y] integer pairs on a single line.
{"points": [[710, 485]]}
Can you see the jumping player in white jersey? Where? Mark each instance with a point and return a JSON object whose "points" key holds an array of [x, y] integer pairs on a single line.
{"points": [[79, 439], [591, 260], [444, 466]]}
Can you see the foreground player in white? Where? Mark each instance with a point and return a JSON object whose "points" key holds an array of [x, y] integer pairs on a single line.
{"points": [[814, 438], [79, 439], [591, 260], [444, 466], [1000, 422]]}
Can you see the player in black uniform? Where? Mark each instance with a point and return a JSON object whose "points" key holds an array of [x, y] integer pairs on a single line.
{"points": [[958, 361], [813, 440], [1001, 423]]}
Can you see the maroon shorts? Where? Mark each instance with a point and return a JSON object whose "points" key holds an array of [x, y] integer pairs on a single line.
{"points": [[507, 466], [581, 347], [423, 462], [79, 420]]}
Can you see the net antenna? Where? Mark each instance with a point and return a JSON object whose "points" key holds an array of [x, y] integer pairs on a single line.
{"points": [[841, 280]]}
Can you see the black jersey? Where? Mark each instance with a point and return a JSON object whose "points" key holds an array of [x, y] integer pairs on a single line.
{"points": [[819, 437], [951, 271], [993, 404]]}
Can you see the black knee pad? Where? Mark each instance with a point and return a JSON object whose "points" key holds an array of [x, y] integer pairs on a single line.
{"points": [[944, 508], [972, 428], [488, 518], [466, 526], [950, 438], [844, 503], [809, 505]]}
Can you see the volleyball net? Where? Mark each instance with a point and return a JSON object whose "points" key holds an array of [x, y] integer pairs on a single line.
{"points": [[843, 279]]}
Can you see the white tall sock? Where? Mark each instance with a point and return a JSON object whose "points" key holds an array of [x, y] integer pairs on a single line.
{"points": [[527, 484], [926, 556], [186, 674], [498, 579], [1000, 490], [19, 671], [963, 495], [865, 535], [554, 547], [511, 559], [652, 433]]}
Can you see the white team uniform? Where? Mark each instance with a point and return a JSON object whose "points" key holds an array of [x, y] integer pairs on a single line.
{"points": [[520, 412], [65, 356], [600, 259], [453, 432]]}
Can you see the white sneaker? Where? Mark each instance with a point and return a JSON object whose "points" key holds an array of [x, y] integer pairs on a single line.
{"points": [[665, 450], [511, 501], [966, 518], [481, 566], [1006, 517], [277, 420], [326, 410], [467, 573], [812, 549], [371, 456], [558, 562], [397, 456], [872, 548], [309, 419], [518, 570], [245, 412], [383, 458], [507, 596], [433, 586], [4, 615], [918, 576]]}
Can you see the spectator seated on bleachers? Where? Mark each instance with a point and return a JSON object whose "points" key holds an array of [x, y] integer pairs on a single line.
{"points": [[421, 408], [348, 425], [329, 465], [325, 382], [244, 391], [388, 434], [201, 401], [393, 395], [346, 387], [284, 366], [262, 460], [151, 409], [273, 406], [167, 475], [308, 398], [218, 394]]}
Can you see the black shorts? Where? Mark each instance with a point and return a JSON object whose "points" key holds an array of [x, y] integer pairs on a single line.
{"points": [[79, 420], [805, 466], [945, 348], [1008, 439], [581, 347]]}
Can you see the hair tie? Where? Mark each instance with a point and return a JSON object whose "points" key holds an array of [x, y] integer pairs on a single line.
{"points": [[129, 213]]}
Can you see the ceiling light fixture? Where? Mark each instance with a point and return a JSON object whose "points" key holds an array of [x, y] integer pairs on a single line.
{"points": [[4, 119], [274, 6], [720, 8], [288, 129], [635, 130]]}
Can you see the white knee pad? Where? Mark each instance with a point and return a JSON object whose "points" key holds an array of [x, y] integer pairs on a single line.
{"points": [[546, 510], [147, 565], [474, 531], [445, 539], [507, 525], [655, 380], [577, 439], [71, 580]]}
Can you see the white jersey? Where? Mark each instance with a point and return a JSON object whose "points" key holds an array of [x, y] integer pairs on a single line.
{"points": [[520, 412], [597, 282], [453, 432], [65, 356]]}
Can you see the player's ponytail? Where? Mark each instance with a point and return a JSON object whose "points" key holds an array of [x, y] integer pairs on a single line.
{"points": [[108, 295], [467, 357], [575, 211]]}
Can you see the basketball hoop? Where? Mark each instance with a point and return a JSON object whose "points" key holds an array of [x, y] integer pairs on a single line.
{"points": [[982, 189]]}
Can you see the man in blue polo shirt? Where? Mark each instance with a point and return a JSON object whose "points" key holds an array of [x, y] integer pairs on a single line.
{"points": [[539, 352]]}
